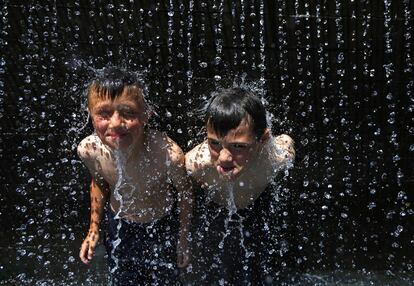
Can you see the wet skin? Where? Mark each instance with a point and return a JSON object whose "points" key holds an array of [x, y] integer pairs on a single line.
{"points": [[231, 154], [152, 161], [238, 161], [119, 123]]}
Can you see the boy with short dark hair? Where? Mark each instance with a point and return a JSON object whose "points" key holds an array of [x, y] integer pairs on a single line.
{"points": [[135, 169], [235, 167]]}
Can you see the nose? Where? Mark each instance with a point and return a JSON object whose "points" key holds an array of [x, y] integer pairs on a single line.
{"points": [[116, 120], [225, 155]]}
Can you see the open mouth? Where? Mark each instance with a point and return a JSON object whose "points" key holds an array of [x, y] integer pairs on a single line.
{"points": [[225, 170], [116, 136]]}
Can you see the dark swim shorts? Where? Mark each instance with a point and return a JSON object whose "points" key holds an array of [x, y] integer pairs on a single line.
{"points": [[233, 249], [142, 253]]}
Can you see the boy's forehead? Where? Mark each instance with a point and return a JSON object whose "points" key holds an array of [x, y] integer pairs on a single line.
{"points": [[123, 99], [243, 129], [131, 93]]}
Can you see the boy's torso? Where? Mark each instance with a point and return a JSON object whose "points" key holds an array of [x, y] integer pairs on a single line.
{"points": [[140, 187]]}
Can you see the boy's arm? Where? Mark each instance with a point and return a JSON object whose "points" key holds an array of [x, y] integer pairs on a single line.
{"points": [[182, 183], [197, 161], [99, 195]]}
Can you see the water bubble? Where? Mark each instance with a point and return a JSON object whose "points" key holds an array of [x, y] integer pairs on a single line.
{"points": [[402, 195], [340, 57]]}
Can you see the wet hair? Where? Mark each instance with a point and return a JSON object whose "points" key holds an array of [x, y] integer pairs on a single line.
{"points": [[113, 82], [229, 107]]}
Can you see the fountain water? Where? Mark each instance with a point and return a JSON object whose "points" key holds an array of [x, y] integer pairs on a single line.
{"points": [[337, 76]]}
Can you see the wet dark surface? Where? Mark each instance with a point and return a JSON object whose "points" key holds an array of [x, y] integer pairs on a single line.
{"points": [[339, 81]]}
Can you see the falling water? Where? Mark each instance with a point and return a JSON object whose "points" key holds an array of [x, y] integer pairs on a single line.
{"points": [[282, 62], [233, 217], [243, 32], [122, 198], [408, 68], [170, 46], [391, 98], [3, 45], [262, 65], [336, 75], [189, 47], [218, 29], [235, 34]]}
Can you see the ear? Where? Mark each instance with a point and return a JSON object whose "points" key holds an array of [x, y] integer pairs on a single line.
{"points": [[265, 136]]}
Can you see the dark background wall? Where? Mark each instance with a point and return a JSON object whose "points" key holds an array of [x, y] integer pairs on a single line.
{"points": [[337, 75]]}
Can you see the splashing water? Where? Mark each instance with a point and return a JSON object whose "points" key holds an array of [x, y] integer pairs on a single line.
{"points": [[341, 74], [124, 199]]}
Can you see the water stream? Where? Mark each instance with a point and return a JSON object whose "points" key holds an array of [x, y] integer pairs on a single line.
{"points": [[335, 75]]}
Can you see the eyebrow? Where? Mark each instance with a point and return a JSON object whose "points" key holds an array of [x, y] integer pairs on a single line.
{"points": [[125, 106], [232, 142], [101, 108]]}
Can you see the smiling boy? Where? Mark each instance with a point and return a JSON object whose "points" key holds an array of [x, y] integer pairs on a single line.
{"points": [[135, 169], [234, 167]]}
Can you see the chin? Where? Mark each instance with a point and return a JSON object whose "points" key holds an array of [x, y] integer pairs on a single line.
{"points": [[230, 177], [119, 144]]}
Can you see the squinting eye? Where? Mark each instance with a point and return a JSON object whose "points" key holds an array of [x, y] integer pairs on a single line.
{"points": [[104, 114], [240, 146], [214, 144], [129, 114]]}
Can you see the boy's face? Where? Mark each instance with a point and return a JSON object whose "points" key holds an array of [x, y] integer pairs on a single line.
{"points": [[233, 153], [119, 123]]}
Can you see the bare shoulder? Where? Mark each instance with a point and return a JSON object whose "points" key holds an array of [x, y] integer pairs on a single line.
{"points": [[163, 142], [287, 146], [197, 158], [89, 147], [91, 150], [175, 153]]}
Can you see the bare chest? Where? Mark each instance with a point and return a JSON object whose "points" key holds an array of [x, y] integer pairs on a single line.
{"points": [[240, 193], [145, 177]]}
